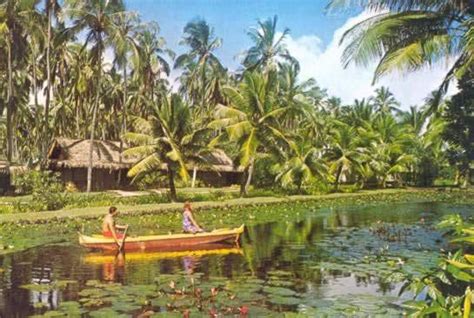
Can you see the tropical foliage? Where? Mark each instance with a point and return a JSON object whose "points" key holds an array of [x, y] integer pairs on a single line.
{"points": [[92, 69], [446, 291]]}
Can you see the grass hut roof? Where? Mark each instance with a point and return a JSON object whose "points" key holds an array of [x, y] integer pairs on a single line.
{"points": [[74, 153]]}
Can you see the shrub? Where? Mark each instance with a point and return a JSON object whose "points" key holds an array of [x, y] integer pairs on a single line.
{"points": [[151, 180], [71, 187], [49, 195], [349, 188], [45, 187], [264, 173], [318, 187]]}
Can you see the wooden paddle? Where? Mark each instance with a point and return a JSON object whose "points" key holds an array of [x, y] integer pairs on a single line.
{"points": [[123, 239]]}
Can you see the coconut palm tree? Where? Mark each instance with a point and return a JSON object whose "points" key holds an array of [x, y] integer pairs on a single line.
{"points": [[332, 106], [251, 120], [296, 94], [96, 18], [268, 45], [384, 101], [149, 66], [124, 43], [166, 140], [202, 42], [386, 145], [52, 9], [343, 154], [359, 113], [301, 166], [14, 15], [414, 118], [432, 31]]}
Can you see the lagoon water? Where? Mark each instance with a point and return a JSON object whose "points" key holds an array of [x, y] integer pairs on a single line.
{"points": [[328, 262]]}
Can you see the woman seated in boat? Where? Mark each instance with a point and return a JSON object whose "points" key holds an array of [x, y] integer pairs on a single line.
{"points": [[189, 223], [109, 228]]}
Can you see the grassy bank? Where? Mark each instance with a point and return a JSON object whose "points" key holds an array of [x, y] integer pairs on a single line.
{"points": [[25, 230], [137, 207]]}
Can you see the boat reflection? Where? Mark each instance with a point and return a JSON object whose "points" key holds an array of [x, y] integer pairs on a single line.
{"points": [[120, 259]]}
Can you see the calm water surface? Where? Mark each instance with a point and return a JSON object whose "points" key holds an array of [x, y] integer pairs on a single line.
{"points": [[322, 263]]}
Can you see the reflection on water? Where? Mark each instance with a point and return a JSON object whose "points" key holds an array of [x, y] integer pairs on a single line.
{"points": [[322, 253]]}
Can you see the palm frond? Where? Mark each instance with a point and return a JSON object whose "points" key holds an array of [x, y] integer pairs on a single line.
{"points": [[146, 165]]}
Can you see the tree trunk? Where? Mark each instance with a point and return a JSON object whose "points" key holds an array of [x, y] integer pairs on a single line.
{"points": [[78, 128], [193, 182], [246, 179], [243, 180], [338, 177], [203, 90], [124, 119], [467, 178], [94, 117], [48, 83], [35, 93], [172, 186], [298, 187], [10, 103]]}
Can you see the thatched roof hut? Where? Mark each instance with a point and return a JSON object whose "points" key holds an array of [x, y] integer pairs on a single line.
{"points": [[74, 153], [71, 158]]}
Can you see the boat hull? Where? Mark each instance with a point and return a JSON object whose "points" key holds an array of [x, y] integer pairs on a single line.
{"points": [[164, 242]]}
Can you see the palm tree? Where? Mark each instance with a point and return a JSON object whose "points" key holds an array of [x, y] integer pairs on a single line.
{"points": [[343, 153], [296, 94], [359, 113], [301, 166], [166, 140], [200, 38], [332, 106], [251, 120], [124, 42], [414, 118], [386, 144], [149, 65], [384, 101], [13, 17], [52, 7], [96, 17], [432, 31], [268, 46]]}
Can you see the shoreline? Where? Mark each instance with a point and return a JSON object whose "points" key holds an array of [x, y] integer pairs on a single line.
{"points": [[143, 209]]}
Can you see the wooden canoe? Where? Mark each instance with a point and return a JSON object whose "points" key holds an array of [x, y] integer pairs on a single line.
{"points": [[167, 242]]}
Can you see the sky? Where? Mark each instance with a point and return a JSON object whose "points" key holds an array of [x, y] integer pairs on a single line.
{"points": [[313, 40]]}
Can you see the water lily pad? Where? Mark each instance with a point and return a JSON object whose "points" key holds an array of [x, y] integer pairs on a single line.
{"points": [[70, 308], [281, 291], [54, 313], [284, 300], [255, 311], [169, 314], [124, 306], [159, 302], [280, 273], [106, 313], [92, 293], [280, 283]]}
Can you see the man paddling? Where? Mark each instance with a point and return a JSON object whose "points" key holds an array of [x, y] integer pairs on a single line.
{"points": [[109, 228]]}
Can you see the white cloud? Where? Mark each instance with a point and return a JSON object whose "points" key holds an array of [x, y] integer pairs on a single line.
{"points": [[324, 64]]}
